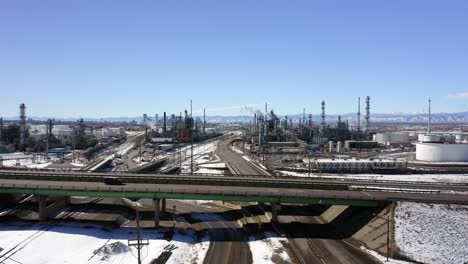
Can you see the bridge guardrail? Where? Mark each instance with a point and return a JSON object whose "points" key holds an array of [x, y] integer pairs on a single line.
{"points": [[343, 184], [219, 176], [350, 195]]}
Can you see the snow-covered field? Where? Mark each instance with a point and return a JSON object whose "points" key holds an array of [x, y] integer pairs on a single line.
{"points": [[265, 250], [433, 234], [461, 178], [22, 242], [383, 259], [28, 163], [203, 153], [19, 159]]}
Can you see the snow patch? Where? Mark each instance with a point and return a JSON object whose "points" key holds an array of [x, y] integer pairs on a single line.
{"points": [[430, 233], [265, 249]]}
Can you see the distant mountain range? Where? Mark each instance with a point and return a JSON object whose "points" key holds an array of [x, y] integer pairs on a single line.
{"points": [[442, 118]]}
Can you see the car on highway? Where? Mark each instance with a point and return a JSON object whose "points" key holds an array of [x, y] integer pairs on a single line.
{"points": [[113, 181]]}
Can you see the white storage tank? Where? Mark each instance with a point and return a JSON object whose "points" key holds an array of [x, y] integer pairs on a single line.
{"points": [[392, 138], [436, 152], [421, 138], [339, 147], [432, 138]]}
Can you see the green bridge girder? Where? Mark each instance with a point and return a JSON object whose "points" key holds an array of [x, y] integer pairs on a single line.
{"points": [[177, 196]]}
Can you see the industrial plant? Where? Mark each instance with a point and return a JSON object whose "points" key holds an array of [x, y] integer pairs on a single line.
{"points": [[176, 175]]}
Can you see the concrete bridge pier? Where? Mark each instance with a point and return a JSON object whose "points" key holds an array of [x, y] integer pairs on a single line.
{"points": [[156, 212], [275, 207], [45, 211], [163, 205]]}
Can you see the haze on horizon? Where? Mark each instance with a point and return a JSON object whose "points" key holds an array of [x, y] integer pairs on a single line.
{"points": [[112, 59]]}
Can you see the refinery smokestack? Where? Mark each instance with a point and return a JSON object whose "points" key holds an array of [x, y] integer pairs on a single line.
{"points": [[265, 119], [204, 120], [22, 125], [164, 123], [323, 116], [430, 117], [367, 113], [1, 129], [359, 114]]}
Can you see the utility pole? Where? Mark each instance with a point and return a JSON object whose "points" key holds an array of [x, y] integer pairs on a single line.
{"points": [[388, 236], [138, 243], [191, 137]]}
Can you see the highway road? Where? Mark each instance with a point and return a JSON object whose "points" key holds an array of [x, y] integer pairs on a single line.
{"points": [[227, 243], [302, 239], [226, 154]]}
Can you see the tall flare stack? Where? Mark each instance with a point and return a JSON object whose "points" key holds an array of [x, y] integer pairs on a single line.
{"points": [[359, 115], [367, 114], [22, 125], [430, 118], [164, 123], [323, 116]]}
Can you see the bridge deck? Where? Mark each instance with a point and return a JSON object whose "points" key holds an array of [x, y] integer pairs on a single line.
{"points": [[223, 193]]}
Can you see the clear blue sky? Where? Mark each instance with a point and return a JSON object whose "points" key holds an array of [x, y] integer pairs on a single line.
{"points": [[123, 58]]}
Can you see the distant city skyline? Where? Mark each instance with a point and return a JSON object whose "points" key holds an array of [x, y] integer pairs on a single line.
{"points": [[122, 59]]}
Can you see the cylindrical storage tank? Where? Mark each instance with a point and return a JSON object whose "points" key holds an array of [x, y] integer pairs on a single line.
{"points": [[339, 147], [434, 152], [459, 137], [392, 138], [399, 138], [431, 138], [421, 137], [330, 146], [382, 138]]}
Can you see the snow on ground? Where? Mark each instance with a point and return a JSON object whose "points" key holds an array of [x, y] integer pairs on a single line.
{"points": [[461, 178], [384, 259], [91, 243], [433, 234], [78, 163], [208, 171], [216, 165], [264, 250], [131, 133], [201, 155], [28, 163], [124, 148], [235, 149]]}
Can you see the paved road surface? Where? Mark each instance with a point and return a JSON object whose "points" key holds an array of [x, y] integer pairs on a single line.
{"points": [[225, 153], [227, 244], [308, 249]]}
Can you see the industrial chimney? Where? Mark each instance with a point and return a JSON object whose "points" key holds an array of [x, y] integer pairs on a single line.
{"points": [[164, 123], [367, 114], [359, 115], [323, 116], [22, 125]]}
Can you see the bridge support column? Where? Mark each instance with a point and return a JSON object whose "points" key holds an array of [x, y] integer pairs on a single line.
{"points": [[274, 211], [163, 205], [43, 212], [156, 212]]}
